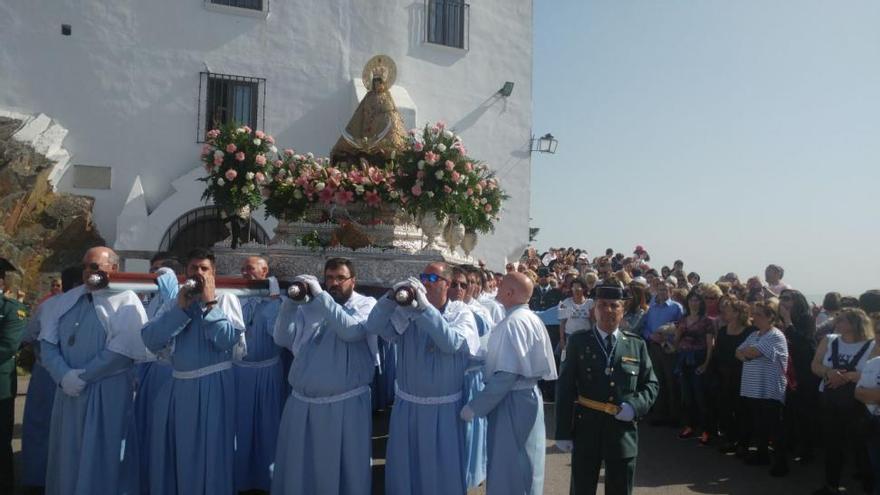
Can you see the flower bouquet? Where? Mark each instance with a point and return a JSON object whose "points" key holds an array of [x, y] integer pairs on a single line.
{"points": [[237, 161]]}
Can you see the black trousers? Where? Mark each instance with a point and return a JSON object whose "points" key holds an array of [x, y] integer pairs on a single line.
{"points": [[733, 412], [7, 418], [619, 474], [844, 431], [766, 426]]}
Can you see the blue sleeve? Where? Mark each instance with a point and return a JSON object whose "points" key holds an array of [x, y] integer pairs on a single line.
{"points": [[158, 333], [441, 332], [379, 321], [346, 326], [53, 361], [105, 364], [219, 330], [497, 387], [283, 332]]}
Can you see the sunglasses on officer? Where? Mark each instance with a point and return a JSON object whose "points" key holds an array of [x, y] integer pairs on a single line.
{"points": [[430, 277]]}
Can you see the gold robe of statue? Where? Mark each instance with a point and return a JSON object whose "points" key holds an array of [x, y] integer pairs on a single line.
{"points": [[375, 130]]}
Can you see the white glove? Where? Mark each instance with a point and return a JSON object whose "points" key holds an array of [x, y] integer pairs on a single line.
{"points": [[419, 288], [466, 414], [274, 288], [72, 384], [627, 413], [565, 445], [312, 282]]}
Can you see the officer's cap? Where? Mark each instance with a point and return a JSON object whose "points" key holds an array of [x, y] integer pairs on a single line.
{"points": [[610, 291]]}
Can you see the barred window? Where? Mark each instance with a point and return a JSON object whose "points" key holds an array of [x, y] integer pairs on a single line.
{"points": [[447, 23], [241, 4], [228, 99]]}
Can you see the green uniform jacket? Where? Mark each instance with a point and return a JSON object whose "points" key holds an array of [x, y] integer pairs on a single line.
{"points": [[12, 320], [583, 373]]}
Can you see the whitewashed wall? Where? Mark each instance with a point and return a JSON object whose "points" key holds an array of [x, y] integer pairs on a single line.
{"points": [[125, 85]]}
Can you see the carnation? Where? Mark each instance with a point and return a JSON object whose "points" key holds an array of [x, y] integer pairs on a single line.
{"points": [[231, 174], [260, 159], [230, 148], [450, 165], [239, 156]]}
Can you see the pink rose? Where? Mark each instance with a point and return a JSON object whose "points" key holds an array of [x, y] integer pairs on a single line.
{"points": [[416, 190], [239, 156], [418, 146], [265, 192], [431, 157], [260, 159], [440, 125], [218, 160], [206, 148], [456, 177], [482, 183], [289, 152], [469, 166], [420, 174], [488, 208], [259, 134], [213, 133], [470, 192], [230, 148], [447, 189], [270, 139], [449, 165], [259, 177], [231, 174], [278, 163], [247, 129]]}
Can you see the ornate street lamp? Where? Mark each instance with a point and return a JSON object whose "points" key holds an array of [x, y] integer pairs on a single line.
{"points": [[545, 144]]}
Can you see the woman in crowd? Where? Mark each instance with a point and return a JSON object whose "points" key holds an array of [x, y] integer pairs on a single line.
{"points": [[575, 313], [799, 328], [764, 355], [868, 393], [732, 411], [825, 318], [712, 294], [694, 339], [838, 361], [636, 307]]}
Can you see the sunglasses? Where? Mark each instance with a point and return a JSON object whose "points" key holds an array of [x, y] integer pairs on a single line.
{"points": [[458, 285], [430, 277], [92, 266]]}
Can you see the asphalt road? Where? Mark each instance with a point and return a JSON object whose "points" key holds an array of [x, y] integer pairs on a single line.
{"points": [[666, 465]]}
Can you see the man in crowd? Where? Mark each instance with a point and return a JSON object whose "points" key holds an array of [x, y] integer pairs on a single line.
{"points": [[89, 342], [605, 384], [193, 435], [773, 275], [324, 440], [544, 301], [259, 384], [436, 340], [519, 353], [13, 318], [657, 328], [486, 297]]}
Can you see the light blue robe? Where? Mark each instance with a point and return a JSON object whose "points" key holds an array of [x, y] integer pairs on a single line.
{"points": [[92, 439], [476, 458], [193, 433], [259, 397], [426, 448], [386, 372], [325, 448], [37, 412]]}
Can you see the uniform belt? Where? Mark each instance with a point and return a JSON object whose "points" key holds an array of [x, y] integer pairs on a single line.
{"points": [[331, 398], [256, 364], [605, 407], [427, 401], [198, 373]]}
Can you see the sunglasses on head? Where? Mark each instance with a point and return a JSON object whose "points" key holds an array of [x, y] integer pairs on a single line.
{"points": [[430, 277]]}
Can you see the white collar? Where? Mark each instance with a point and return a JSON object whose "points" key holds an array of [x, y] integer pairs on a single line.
{"points": [[604, 335]]}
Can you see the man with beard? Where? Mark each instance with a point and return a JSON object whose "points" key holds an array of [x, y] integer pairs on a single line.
{"points": [[324, 439], [259, 384], [436, 341]]}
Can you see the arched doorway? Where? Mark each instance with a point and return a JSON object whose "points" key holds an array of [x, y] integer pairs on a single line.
{"points": [[203, 227]]}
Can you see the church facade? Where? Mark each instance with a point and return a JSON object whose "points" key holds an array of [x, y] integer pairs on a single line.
{"points": [[137, 84]]}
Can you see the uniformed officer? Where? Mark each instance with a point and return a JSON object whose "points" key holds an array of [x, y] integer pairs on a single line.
{"points": [[605, 384], [12, 322]]}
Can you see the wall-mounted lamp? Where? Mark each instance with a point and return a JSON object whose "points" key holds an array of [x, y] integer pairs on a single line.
{"points": [[507, 89], [545, 144]]}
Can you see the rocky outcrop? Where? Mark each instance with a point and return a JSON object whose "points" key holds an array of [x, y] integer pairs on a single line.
{"points": [[40, 230]]}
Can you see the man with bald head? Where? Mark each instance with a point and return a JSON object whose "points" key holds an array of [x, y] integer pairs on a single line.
{"points": [[436, 340], [89, 341], [517, 356], [259, 384]]}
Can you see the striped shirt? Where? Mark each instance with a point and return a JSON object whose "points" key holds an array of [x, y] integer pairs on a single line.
{"points": [[764, 376]]}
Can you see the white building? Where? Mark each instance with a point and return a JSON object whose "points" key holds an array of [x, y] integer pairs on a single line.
{"points": [[133, 80]]}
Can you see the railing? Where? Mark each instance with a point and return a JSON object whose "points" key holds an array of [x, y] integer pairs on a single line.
{"points": [[447, 23]]}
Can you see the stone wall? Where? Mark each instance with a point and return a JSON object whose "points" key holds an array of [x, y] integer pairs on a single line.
{"points": [[40, 230]]}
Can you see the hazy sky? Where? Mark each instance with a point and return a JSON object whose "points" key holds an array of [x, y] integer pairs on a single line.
{"points": [[728, 134]]}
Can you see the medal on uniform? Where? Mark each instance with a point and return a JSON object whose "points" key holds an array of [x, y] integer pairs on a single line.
{"points": [[609, 354], [608, 371]]}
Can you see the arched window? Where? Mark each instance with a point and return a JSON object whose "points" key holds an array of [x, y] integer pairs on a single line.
{"points": [[203, 227]]}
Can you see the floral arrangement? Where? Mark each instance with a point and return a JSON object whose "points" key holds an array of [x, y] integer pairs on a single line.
{"points": [[435, 175], [237, 160], [301, 181]]}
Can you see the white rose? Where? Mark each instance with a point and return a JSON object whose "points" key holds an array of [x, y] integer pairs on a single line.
{"points": [[394, 194], [421, 164], [258, 142], [430, 194], [440, 147], [320, 186], [288, 180], [218, 155], [298, 157], [251, 187], [240, 130], [457, 138], [359, 190], [249, 176], [447, 134], [310, 155], [297, 194], [221, 182], [482, 201], [438, 174], [273, 149]]}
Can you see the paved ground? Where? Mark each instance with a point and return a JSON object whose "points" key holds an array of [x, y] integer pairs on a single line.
{"points": [[667, 466]]}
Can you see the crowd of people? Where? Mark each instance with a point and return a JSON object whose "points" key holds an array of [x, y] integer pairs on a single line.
{"points": [[751, 367]]}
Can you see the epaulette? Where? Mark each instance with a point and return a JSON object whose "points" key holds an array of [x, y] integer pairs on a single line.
{"points": [[630, 334]]}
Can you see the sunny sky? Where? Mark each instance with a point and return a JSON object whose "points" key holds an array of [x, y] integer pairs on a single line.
{"points": [[728, 134]]}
